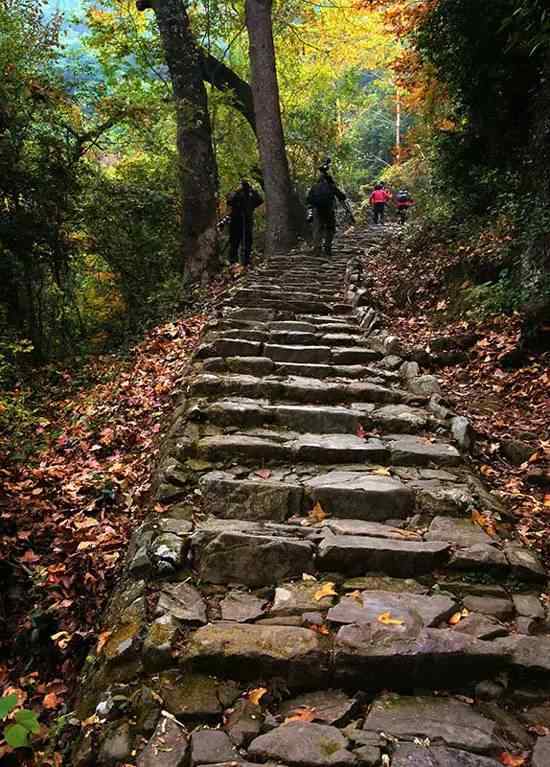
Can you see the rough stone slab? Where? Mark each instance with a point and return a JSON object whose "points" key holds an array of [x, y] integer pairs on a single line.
{"points": [[229, 498], [357, 555], [304, 370], [293, 338], [355, 355], [372, 529], [194, 696], [168, 746], [232, 347], [435, 497], [329, 706], [304, 744], [480, 556], [211, 747], [360, 496], [254, 366], [158, 643], [530, 655], [183, 602], [481, 627], [400, 418], [524, 563], [240, 606], [279, 353], [243, 412], [312, 390], [314, 419], [334, 448], [445, 720], [459, 531], [409, 755], [297, 598], [498, 608], [256, 651], [528, 605], [415, 451], [209, 385], [382, 657], [226, 446], [541, 753], [253, 560], [417, 609], [243, 722]]}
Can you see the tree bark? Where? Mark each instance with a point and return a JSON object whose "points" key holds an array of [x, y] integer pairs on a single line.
{"points": [[194, 139], [269, 128], [224, 79]]}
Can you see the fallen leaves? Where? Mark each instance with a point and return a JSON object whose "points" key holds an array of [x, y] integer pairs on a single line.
{"points": [[301, 714], [485, 522], [255, 696], [326, 590], [511, 760], [382, 471], [263, 473], [387, 620], [317, 514], [455, 619]]}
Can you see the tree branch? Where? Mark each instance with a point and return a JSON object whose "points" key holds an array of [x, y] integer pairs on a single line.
{"points": [[225, 79]]}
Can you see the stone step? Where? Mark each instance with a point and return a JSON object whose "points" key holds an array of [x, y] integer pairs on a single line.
{"points": [[280, 446], [295, 388], [262, 366], [320, 419]]}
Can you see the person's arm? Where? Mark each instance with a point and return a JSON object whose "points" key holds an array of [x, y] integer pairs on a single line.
{"points": [[257, 199], [339, 194]]}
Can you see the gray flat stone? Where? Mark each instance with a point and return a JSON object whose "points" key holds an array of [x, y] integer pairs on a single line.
{"points": [[211, 747], [400, 418], [183, 602], [229, 498], [194, 696], [254, 366], [329, 706], [280, 353], [370, 605], [528, 605], [354, 355], [373, 529], [167, 553], [360, 495], [298, 655], [209, 385], [498, 608], [530, 655], [479, 556], [304, 744], [240, 606], [459, 531], [297, 598], [524, 563], [231, 347], [425, 385], [343, 448], [382, 656], [253, 560], [445, 720], [227, 446], [439, 497], [384, 583], [481, 627], [409, 755], [315, 419], [243, 722], [417, 451], [169, 743], [356, 555], [541, 752]]}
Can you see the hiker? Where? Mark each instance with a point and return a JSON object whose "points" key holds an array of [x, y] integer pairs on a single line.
{"points": [[242, 203], [321, 200], [379, 198], [403, 201]]}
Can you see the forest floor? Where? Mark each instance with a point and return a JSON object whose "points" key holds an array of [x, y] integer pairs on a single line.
{"points": [[509, 409], [76, 481]]}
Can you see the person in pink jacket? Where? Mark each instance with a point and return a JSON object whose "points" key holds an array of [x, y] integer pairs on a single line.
{"points": [[379, 198]]}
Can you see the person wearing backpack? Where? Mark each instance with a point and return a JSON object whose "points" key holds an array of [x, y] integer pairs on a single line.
{"points": [[379, 198], [321, 200], [403, 201], [242, 204]]}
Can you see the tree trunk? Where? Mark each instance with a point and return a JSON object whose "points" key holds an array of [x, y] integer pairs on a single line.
{"points": [[269, 128], [194, 139], [220, 76]]}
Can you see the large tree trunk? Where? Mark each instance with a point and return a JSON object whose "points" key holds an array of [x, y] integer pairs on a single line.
{"points": [[194, 139], [269, 128]]}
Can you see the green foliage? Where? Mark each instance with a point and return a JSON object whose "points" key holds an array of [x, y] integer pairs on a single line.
{"points": [[17, 734]]}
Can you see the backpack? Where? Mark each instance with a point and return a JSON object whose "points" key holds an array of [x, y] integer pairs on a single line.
{"points": [[321, 195], [402, 196]]}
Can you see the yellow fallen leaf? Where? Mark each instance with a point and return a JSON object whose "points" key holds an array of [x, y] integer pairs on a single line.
{"points": [[326, 590], [387, 620], [102, 640], [317, 514], [458, 616], [511, 760], [301, 714], [255, 696], [383, 471], [486, 523]]}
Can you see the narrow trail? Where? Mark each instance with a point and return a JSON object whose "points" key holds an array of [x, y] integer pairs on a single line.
{"points": [[325, 564]]}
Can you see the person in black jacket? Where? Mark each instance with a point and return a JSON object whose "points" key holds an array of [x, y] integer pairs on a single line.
{"points": [[321, 200], [242, 204]]}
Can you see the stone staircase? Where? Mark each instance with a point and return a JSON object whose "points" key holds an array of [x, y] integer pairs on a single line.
{"points": [[330, 583]]}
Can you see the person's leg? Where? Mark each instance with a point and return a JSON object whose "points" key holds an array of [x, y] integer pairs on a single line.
{"points": [[246, 251], [235, 234], [330, 229], [317, 232], [382, 212]]}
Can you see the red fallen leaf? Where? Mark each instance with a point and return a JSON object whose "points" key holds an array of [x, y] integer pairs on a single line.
{"points": [[263, 473], [361, 433], [29, 557], [51, 700], [509, 760]]}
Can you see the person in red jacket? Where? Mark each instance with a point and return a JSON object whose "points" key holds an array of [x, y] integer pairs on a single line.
{"points": [[379, 199]]}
